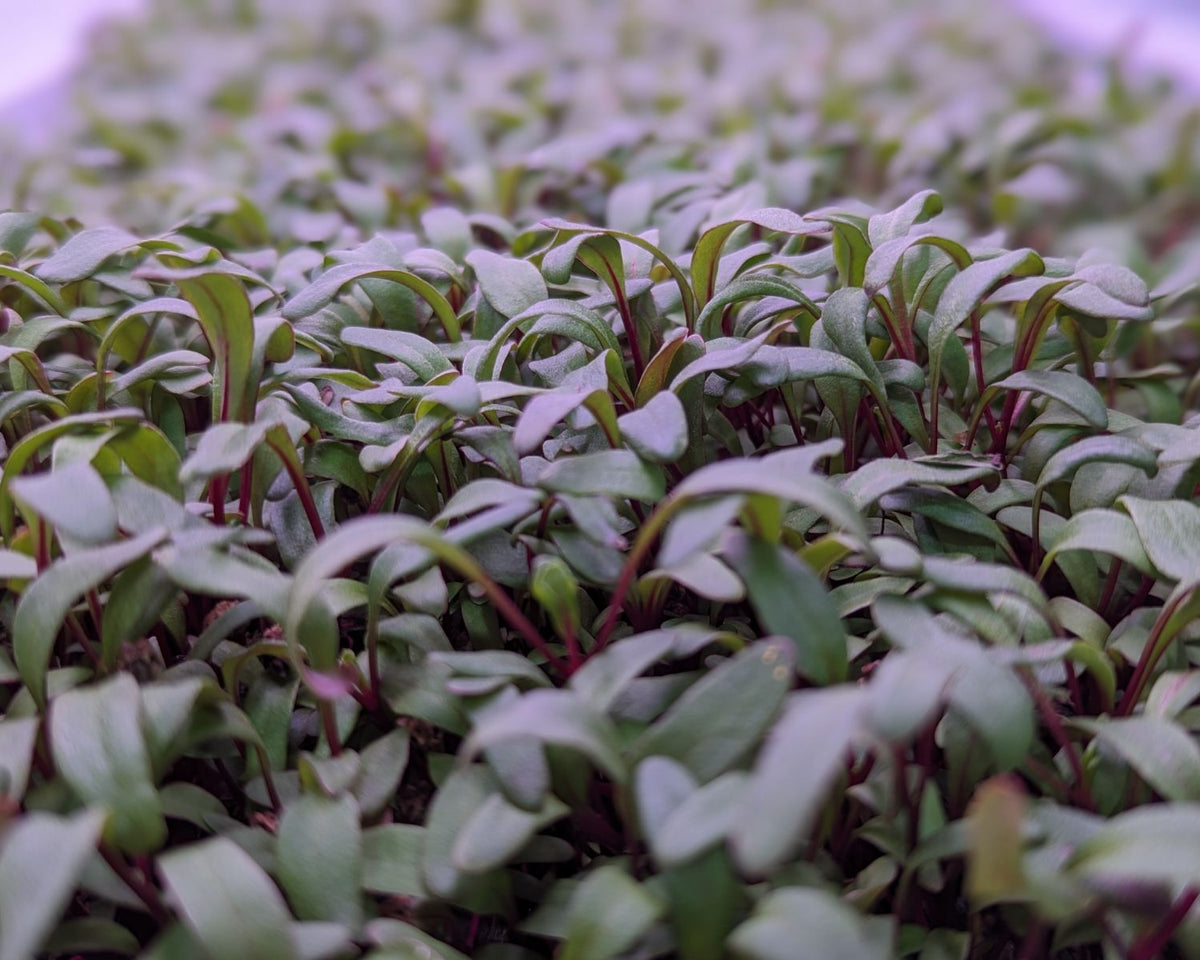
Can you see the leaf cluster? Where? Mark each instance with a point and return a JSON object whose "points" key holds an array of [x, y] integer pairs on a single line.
{"points": [[626, 569]]}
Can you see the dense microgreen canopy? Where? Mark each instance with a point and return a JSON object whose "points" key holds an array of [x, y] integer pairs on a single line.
{"points": [[472, 485]]}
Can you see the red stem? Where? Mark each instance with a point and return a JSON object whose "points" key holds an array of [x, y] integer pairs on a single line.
{"points": [[518, 621], [620, 593], [303, 491], [42, 546], [635, 349], [1110, 585], [145, 891], [217, 489], [977, 358], [373, 664], [329, 725], [82, 639], [1146, 662], [1151, 945], [245, 484], [574, 654], [1053, 723], [1000, 441]]}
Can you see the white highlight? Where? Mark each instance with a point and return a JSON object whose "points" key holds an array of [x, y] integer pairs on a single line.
{"points": [[1150, 35], [45, 38]]}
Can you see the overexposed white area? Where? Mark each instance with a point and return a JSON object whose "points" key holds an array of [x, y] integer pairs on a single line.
{"points": [[1155, 35], [44, 39]]}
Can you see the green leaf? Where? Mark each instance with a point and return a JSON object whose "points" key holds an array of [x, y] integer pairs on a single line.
{"points": [[607, 673], [415, 352], [556, 590], [705, 576], [511, 286], [492, 663], [198, 568], [392, 856], [567, 230], [34, 286], [228, 324], [789, 600], [543, 412], [1163, 753], [187, 366], [886, 258], [29, 446], [73, 499], [459, 797], [327, 286], [844, 320], [100, 751], [918, 208], [522, 770], [402, 941], [30, 362], [698, 528], [1173, 692], [616, 473], [176, 943], [723, 716], [967, 576], [17, 739], [150, 456], [1104, 449], [448, 230], [82, 255], [223, 448], [557, 717], [609, 914], [269, 704], [786, 474], [1068, 389], [1155, 843], [93, 935], [168, 716], [1100, 531], [658, 431], [994, 821], [16, 229], [878, 478], [320, 862], [794, 923], [135, 603], [660, 786], [383, 764], [803, 756], [186, 801], [724, 354], [707, 253], [708, 323], [1091, 300], [227, 901], [1170, 534], [41, 858], [700, 821], [963, 295], [47, 601], [983, 690], [907, 691], [498, 831], [706, 900], [309, 621]]}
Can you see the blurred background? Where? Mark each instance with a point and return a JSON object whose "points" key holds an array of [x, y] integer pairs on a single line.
{"points": [[52, 39], [1069, 126], [1165, 34]]}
